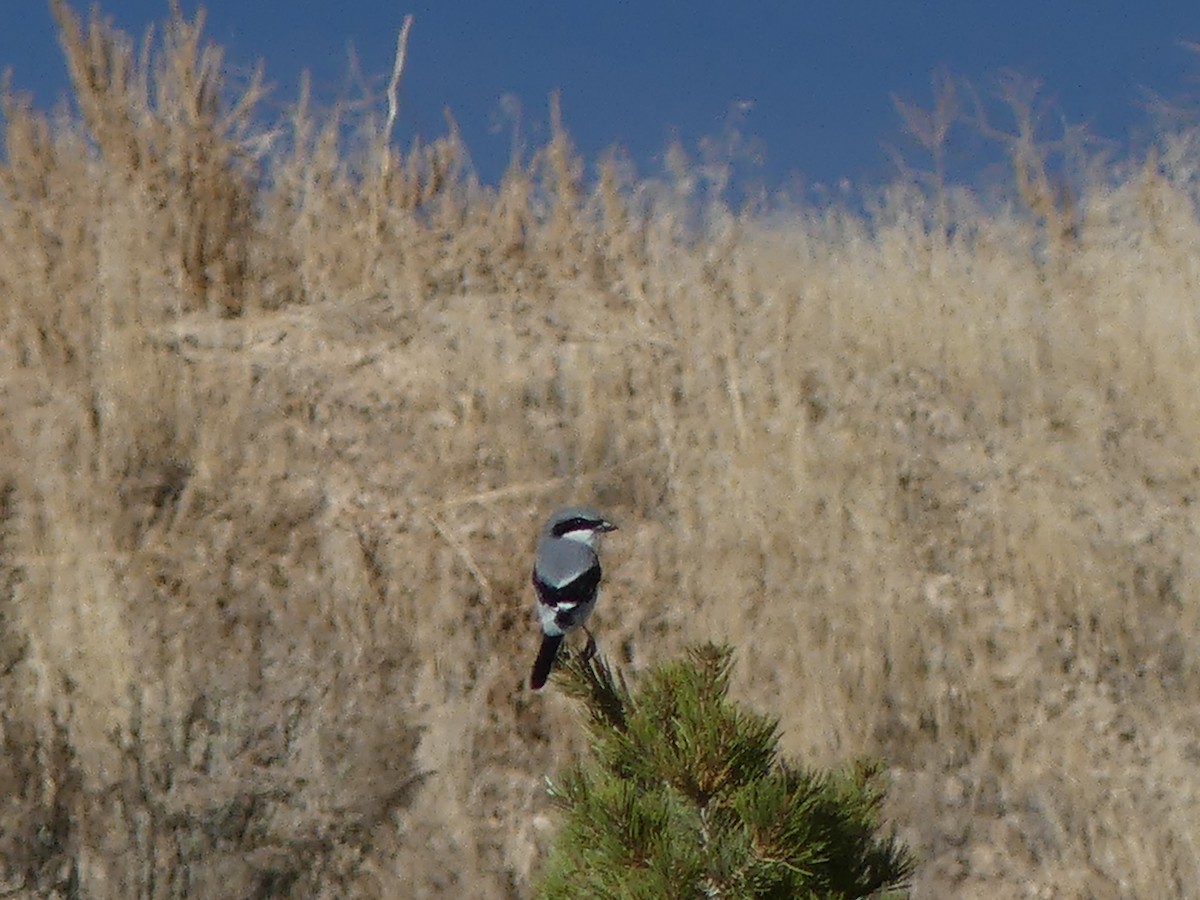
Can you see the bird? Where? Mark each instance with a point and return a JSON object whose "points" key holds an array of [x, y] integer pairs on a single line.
{"points": [[566, 579]]}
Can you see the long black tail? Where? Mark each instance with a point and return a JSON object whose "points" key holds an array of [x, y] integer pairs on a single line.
{"points": [[545, 659]]}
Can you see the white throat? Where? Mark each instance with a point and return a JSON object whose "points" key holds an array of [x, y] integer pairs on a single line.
{"points": [[587, 536]]}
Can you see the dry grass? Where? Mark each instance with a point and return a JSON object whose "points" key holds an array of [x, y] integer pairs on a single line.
{"points": [[279, 423]]}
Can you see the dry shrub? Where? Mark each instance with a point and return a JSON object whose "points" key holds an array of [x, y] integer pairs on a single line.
{"points": [[279, 422]]}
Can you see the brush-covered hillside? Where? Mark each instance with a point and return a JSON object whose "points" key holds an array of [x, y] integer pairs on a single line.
{"points": [[282, 409]]}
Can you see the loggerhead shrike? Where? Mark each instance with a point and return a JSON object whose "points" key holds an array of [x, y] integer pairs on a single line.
{"points": [[566, 577]]}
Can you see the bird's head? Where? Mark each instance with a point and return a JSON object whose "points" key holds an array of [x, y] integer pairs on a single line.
{"points": [[578, 523]]}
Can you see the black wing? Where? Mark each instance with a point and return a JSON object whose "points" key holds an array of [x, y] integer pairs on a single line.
{"points": [[579, 590]]}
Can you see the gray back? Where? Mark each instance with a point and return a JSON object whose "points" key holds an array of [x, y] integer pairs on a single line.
{"points": [[560, 561]]}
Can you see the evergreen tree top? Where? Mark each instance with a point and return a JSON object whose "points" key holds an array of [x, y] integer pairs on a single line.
{"points": [[685, 796]]}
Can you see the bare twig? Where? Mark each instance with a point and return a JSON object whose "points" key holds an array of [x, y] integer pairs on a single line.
{"points": [[531, 488], [931, 130], [512, 490], [393, 89], [461, 549]]}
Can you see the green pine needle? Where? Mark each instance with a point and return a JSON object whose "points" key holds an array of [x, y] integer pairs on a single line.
{"points": [[684, 796]]}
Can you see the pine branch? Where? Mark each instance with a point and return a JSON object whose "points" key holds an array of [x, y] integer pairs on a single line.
{"points": [[589, 679], [685, 796]]}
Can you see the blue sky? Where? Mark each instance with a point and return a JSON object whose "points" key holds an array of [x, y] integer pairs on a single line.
{"points": [[813, 80]]}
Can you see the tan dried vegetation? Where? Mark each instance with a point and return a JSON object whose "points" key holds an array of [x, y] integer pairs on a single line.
{"points": [[278, 425]]}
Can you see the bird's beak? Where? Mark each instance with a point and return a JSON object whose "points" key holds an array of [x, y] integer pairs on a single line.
{"points": [[607, 526]]}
